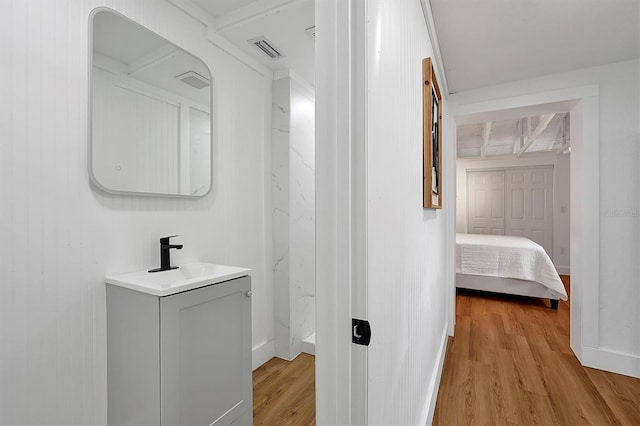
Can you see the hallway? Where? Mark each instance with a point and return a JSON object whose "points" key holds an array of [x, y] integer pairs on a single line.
{"points": [[510, 363]]}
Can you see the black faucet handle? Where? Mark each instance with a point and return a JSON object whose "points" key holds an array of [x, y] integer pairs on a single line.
{"points": [[165, 240]]}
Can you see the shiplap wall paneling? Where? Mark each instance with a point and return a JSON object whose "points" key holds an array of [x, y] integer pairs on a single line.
{"points": [[62, 235], [406, 246], [135, 138]]}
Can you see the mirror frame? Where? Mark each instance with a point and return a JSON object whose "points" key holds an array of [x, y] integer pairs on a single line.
{"points": [[92, 178]]}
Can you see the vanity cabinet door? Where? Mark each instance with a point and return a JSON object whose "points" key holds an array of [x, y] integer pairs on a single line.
{"points": [[205, 354]]}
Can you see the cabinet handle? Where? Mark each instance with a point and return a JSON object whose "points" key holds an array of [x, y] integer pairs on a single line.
{"points": [[249, 293]]}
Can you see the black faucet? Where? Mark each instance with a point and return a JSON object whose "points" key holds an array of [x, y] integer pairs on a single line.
{"points": [[165, 258]]}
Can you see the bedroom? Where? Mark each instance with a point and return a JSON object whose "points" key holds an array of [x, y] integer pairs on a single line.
{"points": [[513, 179]]}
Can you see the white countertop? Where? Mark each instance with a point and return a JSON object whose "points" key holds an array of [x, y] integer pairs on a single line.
{"points": [[186, 277]]}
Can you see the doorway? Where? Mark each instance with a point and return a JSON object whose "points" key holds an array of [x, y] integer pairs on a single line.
{"points": [[582, 105]]}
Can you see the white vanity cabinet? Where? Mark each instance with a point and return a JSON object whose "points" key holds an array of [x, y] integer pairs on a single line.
{"points": [[180, 359]]}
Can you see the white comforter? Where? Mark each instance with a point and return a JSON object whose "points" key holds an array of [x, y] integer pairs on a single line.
{"points": [[506, 257]]}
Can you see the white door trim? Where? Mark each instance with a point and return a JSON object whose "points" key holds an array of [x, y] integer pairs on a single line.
{"points": [[585, 202], [341, 367]]}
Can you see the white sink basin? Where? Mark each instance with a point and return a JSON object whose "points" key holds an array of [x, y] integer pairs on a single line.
{"points": [[186, 277]]}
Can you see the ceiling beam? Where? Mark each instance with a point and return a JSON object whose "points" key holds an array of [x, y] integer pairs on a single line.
{"points": [[152, 59], [519, 136], [542, 125], [251, 11], [192, 9], [565, 148], [559, 135], [486, 132]]}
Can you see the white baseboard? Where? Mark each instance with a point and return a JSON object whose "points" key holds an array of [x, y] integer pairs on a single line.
{"points": [[563, 270], [434, 385], [262, 353], [608, 360], [309, 344]]}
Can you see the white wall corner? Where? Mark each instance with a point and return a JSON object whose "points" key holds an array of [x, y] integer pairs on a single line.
{"points": [[306, 86], [451, 204], [435, 44], [434, 384], [262, 356], [262, 353], [589, 218], [280, 74]]}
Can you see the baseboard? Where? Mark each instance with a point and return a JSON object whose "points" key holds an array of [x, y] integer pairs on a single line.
{"points": [[563, 270], [608, 360], [262, 353], [434, 384], [309, 344]]}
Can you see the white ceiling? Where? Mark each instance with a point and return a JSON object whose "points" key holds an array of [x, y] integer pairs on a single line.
{"points": [[282, 22], [484, 43], [217, 8], [122, 39], [143, 55]]}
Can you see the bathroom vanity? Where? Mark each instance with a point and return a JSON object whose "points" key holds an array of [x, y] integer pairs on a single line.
{"points": [[179, 347]]}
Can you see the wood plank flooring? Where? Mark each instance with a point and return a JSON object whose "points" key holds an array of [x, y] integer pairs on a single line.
{"points": [[510, 363], [284, 392]]}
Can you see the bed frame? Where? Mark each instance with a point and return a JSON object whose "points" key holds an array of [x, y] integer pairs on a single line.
{"points": [[506, 286]]}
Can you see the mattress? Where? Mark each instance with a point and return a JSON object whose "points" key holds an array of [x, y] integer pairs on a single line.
{"points": [[507, 257]]}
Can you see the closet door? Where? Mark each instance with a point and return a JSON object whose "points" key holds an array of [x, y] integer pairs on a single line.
{"points": [[485, 202], [529, 205]]}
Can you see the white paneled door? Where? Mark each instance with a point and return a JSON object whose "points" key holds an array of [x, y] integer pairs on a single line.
{"points": [[486, 202], [516, 201], [529, 205]]}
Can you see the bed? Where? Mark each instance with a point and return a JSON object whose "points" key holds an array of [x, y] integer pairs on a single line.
{"points": [[506, 264]]}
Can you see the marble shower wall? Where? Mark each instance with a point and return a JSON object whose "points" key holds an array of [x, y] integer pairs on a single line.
{"points": [[293, 203]]}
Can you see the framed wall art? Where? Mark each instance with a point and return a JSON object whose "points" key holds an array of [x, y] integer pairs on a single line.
{"points": [[432, 138]]}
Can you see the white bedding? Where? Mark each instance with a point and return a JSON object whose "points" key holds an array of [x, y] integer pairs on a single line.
{"points": [[507, 257]]}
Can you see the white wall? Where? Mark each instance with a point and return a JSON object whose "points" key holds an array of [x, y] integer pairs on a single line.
{"points": [[561, 196], [618, 318], [406, 245], [293, 207], [380, 256], [61, 236]]}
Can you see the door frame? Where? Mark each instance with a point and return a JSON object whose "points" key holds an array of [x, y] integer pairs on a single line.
{"points": [[583, 106], [341, 367]]}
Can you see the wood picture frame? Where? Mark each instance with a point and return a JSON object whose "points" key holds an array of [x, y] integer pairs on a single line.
{"points": [[431, 138]]}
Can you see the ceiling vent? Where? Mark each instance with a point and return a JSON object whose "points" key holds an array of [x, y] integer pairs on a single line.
{"points": [[194, 79], [311, 32], [266, 47]]}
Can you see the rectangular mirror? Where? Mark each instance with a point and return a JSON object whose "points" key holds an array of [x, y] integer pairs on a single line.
{"points": [[150, 112]]}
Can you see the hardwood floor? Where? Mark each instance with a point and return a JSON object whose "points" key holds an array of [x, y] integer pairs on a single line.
{"points": [[510, 363], [284, 392]]}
